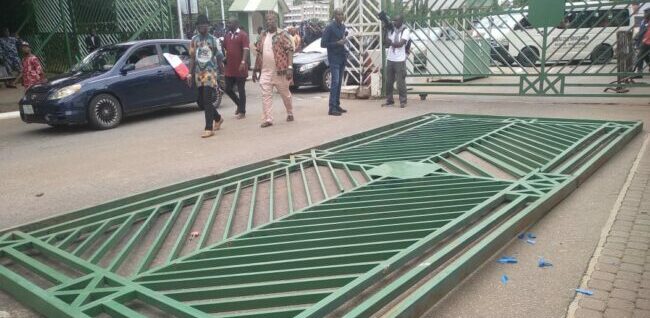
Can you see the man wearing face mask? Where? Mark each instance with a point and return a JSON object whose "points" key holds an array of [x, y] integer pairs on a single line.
{"points": [[396, 41]]}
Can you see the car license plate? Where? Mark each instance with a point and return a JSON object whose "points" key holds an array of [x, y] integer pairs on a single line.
{"points": [[28, 110]]}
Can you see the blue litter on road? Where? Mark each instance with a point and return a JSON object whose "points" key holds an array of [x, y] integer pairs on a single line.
{"points": [[531, 242], [532, 236], [521, 236], [507, 260], [543, 263], [584, 291], [504, 279]]}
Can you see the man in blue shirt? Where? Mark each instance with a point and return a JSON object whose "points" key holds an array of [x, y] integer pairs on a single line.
{"points": [[334, 39]]}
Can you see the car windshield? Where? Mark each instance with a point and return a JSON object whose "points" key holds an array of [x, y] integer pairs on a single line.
{"points": [[101, 60], [314, 47]]}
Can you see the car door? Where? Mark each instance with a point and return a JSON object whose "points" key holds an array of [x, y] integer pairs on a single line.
{"points": [[139, 87], [177, 90]]}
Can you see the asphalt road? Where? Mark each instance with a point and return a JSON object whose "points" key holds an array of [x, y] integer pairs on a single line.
{"points": [[46, 171]]}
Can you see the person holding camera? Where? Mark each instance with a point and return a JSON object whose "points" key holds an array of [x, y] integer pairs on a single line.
{"points": [[396, 40]]}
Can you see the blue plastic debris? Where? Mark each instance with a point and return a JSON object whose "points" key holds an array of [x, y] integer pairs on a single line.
{"points": [[507, 260], [504, 279], [543, 263], [531, 242], [532, 235], [521, 236], [584, 291]]}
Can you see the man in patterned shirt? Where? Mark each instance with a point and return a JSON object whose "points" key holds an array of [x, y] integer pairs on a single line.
{"points": [[32, 71], [274, 67], [204, 61], [9, 52]]}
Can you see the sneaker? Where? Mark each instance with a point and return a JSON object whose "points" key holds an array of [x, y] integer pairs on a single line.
{"points": [[341, 110], [207, 134], [241, 116], [335, 113], [266, 124], [387, 104], [217, 124], [289, 117], [402, 105]]}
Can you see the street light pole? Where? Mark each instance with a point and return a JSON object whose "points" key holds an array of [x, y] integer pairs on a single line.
{"points": [[180, 19], [223, 17]]}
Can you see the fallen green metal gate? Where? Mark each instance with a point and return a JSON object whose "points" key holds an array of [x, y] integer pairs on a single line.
{"points": [[341, 230], [524, 48]]}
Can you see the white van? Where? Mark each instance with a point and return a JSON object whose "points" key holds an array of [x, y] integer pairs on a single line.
{"points": [[588, 31]]}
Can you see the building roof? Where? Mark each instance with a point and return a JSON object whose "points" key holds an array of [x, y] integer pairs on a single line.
{"points": [[278, 6]]}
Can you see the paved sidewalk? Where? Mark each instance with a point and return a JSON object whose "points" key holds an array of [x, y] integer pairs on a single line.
{"points": [[619, 272]]}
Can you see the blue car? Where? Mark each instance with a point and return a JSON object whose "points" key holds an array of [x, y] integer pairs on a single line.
{"points": [[110, 83]]}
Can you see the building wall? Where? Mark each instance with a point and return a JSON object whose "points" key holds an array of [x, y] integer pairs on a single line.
{"points": [[308, 10]]}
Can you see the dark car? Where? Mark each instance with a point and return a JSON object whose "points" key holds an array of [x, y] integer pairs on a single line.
{"points": [[110, 83], [310, 67]]}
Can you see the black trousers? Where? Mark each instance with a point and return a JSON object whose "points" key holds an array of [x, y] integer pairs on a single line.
{"points": [[240, 100], [207, 96], [642, 56]]}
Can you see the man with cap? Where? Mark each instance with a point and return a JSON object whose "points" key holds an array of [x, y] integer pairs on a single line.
{"points": [[32, 72], [205, 60], [236, 45]]}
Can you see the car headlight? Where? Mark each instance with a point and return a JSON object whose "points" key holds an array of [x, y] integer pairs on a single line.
{"points": [[308, 66], [66, 91]]}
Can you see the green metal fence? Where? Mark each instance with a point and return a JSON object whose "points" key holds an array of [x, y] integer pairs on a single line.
{"points": [[57, 28], [526, 47], [339, 230]]}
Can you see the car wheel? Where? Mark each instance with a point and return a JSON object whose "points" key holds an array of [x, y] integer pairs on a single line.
{"points": [[527, 57], [326, 82], [602, 54], [104, 112]]}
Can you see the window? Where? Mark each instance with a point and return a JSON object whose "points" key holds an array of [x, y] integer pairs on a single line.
{"points": [[177, 49], [144, 57]]}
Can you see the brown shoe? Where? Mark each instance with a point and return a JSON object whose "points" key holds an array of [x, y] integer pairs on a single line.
{"points": [[266, 124], [207, 134], [241, 116], [217, 124], [290, 118]]}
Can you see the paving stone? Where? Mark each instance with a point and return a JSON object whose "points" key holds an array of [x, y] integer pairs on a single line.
{"points": [[588, 313], [620, 304], [622, 228], [593, 304], [634, 252], [644, 293], [615, 246], [604, 276], [633, 259], [643, 304], [639, 239], [617, 313], [635, 277], [642, 222], [626, 284], [609, 260], [639, 233], [624, 234], [623, 294], [600, 294], [639, 227], [625, 218], [600, 284], [613, 253], [645, 283], [606, 268], [634, 268], [616, 239], [624, 223], [640, 313]]}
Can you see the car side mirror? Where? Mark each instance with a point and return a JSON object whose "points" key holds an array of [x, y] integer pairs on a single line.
{"points": [[127, 68]]}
